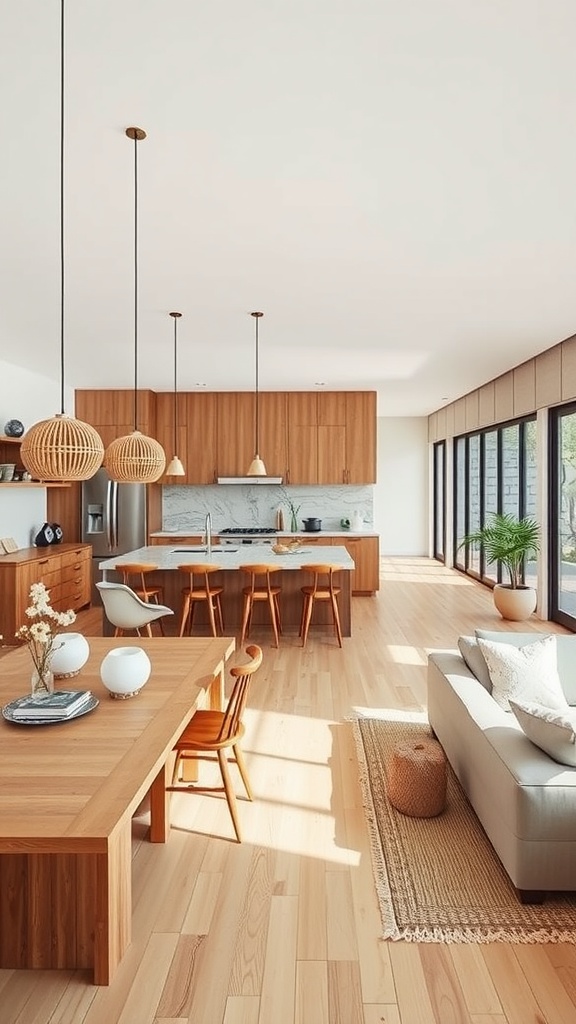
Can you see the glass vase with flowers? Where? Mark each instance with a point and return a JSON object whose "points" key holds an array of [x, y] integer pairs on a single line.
{"points": [[41, 640]]}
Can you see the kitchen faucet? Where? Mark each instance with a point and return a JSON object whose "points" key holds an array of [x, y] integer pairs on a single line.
{"points": [[208, 534]]}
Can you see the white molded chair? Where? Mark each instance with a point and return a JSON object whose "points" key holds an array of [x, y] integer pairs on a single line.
{"points": [[125, 610]]}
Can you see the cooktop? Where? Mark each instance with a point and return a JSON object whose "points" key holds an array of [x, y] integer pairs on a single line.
{"points": [[249, 531]]}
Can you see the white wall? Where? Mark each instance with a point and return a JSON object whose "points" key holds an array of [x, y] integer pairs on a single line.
{"points": [[401, 510], [28, 397]]}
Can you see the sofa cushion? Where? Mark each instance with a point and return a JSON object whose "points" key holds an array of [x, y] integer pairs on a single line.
{"points": [[553, 731], [565, 651], [525, 673], [470, 651]]}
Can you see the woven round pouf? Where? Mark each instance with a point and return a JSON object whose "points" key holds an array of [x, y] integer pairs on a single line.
{"points": [[417, 778]]}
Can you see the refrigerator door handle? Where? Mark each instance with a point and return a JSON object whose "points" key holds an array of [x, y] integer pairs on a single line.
{"points": [[115, 513], [109, 516]]}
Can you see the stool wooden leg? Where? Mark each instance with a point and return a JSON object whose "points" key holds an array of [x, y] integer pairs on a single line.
{"points": [[245, 617], [278, 618], [219, 614], [185, 611], [273, 617], [209, 602], [336, 615], [307, 618]]}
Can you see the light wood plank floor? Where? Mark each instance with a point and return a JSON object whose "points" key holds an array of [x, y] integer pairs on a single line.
{"points": [[284, 929]]}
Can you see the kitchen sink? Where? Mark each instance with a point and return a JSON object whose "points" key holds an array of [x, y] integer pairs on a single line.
{"points": [[218, 549]]}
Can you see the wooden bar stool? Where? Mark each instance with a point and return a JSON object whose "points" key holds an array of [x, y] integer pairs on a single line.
{"points": [[260, 589], [134, 576], [201, 589], [322, 589]]}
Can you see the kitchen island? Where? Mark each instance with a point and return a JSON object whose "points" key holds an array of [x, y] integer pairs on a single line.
{"points": [[230, 558]]}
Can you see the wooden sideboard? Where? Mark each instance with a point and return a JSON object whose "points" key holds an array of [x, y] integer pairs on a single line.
{"points": [[63, 568]]}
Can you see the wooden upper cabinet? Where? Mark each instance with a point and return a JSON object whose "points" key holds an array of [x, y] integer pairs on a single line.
{"points": [[273, 432], [202, 429], [114, 408], [235, 434], [306, 437], [165, 432], [361, 424], [331, 437], [302, 437]]}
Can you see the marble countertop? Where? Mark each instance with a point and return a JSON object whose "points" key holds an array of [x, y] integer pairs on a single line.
{"points": [[279, 533], [231, 556]]}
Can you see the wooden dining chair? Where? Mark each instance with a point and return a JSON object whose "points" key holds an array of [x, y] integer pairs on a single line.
{"points": [[322, 589], [134, 576], [216, 735], [260, 589], [201, 589]]}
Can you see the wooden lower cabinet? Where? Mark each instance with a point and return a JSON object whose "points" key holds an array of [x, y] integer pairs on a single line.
{"points": [[64, 569], [364, 550], [366, 554]]}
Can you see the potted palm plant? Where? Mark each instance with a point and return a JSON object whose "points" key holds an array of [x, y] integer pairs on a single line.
{"points": [[509, 541]]}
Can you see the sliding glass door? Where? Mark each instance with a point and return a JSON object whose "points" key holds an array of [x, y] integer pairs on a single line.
{"points": [[439, 470], [563, 515], [494, 471]]}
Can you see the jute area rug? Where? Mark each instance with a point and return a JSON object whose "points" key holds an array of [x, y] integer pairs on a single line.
{"points": [[438, 879]]}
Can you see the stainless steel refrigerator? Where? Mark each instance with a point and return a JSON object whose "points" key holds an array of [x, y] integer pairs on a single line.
{"points": [[113, 519]]}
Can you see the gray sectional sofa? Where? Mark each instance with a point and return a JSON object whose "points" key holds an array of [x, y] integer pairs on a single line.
{"points": [[525, 800]]}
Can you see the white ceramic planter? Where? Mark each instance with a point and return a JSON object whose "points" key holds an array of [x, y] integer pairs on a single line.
{"points": [[125, 670], [514, 605], [70, 656]]}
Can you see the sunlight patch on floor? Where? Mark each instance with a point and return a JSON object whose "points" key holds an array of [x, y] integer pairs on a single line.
{"points": [[392, 575], [404, 655], [290, 762]]}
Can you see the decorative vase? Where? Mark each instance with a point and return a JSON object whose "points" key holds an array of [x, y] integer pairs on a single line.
{"points": [[125, 670], [71, 652], [44, 537], [42, 686], [514, 605], [293, 523]]}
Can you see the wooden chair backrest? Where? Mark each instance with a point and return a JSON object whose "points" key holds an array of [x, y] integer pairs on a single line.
{"points": [[202, 569], [324, 570], [242, 675], [260, 569]]}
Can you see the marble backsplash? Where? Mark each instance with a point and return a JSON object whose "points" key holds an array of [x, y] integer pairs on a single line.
{"points": [[185, 508]]}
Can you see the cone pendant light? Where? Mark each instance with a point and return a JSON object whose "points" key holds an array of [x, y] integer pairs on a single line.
{"points": [[175, 467], [257, 467], [62, 448], [135, 458]]}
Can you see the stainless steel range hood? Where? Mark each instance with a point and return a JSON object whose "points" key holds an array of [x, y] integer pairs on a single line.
{"points": [[249, 480]]}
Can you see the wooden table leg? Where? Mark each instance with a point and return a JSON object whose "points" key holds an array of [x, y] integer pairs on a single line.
{"points": [[160, 804]]}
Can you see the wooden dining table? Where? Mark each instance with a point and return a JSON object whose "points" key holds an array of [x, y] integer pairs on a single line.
{"points": [[68, 792]]}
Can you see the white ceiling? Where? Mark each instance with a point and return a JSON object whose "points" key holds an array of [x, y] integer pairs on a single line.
{"points": [[393, 184]]}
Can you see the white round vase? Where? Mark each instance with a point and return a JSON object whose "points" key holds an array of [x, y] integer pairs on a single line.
{"points": [[125, 670], [70, 655]]}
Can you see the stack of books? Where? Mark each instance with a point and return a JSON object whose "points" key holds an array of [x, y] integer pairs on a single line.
{"points": [[60, 704]]}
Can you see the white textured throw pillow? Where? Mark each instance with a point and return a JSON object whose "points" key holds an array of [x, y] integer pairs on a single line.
{"points": [[527, 673], [551, 730]]}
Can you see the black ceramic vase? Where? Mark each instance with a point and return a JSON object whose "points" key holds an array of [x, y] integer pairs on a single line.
{"points": [[44, 537]]}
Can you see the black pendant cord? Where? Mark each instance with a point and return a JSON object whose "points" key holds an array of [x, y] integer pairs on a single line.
{"points": [[176, 316], [257, 412], [256, 450], [62, 384], [175, 391], [135, 282]]}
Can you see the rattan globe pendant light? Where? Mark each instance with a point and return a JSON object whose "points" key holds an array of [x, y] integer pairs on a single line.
{"points": [[62, 448], [256, 467], [175, 467], [135, 458]]}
